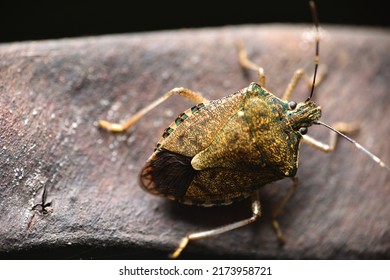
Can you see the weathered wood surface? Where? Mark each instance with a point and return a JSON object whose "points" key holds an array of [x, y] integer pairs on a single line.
{"points": [[53, 92]]}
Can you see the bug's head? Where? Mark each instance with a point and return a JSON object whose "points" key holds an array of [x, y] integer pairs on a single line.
{"points": [[302, 115]]}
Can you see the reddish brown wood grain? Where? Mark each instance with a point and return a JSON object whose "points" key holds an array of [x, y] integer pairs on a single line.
{"points": [[53, 92]]}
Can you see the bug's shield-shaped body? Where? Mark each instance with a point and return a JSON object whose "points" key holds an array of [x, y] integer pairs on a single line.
{"points": [[221, 151]]}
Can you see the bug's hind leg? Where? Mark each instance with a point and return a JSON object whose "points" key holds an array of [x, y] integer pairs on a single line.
{"points": [[279, 209], [256, 213], [116, 127]]}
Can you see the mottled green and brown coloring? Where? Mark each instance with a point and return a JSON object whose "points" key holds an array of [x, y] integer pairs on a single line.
{"points": [[221, 151]]}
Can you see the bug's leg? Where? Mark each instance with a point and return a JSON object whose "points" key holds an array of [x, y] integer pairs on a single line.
{"points": [[292, 84], [116, 127], [298, 75], [279, 209], [343, 127], [248, 64], [256, 213]]}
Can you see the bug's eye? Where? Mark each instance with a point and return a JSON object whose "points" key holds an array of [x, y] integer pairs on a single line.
{"points": [[292, 105], [303, 130]]}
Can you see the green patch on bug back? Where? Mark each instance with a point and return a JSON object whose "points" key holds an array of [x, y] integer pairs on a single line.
{"points": [[181, 118], [255, 89], [196, 108]]}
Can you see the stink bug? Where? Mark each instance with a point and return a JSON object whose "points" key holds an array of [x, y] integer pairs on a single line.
{"points": [[221, 151]]}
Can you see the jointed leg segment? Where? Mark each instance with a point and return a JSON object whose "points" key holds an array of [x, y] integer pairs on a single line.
{"points": [[116, 127], [256, 213], [342, 127], [279, 209], [298, 75], [293, 84], [256, 206], [248, 64]]}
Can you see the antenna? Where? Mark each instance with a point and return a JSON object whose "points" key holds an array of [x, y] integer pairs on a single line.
{"points": [[316, 61], [357, 145], [317, 51]]}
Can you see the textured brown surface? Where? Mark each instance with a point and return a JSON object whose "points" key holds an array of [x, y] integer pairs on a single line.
{"points": [[53, 92]]}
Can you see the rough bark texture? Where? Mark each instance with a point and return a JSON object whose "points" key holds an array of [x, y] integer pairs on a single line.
{"points": [[53, 92]]}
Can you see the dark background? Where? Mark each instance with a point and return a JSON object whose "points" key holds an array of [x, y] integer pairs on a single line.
{"points": [[32, 20]]}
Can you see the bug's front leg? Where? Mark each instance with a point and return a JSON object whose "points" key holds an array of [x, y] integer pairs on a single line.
{"points": [[187, 93], [256, 213], [299, 74]]}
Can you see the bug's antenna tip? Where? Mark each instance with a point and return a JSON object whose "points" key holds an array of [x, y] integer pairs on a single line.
{"points": [[357, 145], [314, 13]]}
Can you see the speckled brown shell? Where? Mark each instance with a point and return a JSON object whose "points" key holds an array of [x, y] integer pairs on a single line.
{"points": [[220, 151]]}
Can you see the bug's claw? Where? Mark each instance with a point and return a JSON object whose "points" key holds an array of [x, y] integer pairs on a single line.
{"points": [[180, 248], [278, 232], [111, 127]]}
